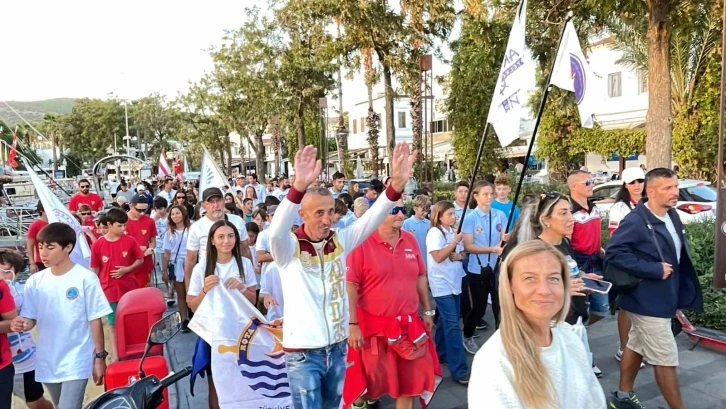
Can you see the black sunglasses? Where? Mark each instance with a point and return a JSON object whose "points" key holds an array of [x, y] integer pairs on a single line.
{"points": [[637, 181], [85, 213], [549, 195], [397, 209], [85, 186], [181, 197]]}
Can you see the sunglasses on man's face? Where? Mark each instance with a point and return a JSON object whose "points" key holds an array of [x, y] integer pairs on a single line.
{"points": [[140, 209], [398, 209], [85, 186], [588, 182], [85, 213], [639, 181]]}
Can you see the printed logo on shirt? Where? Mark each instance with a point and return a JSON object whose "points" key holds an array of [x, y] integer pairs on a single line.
{"points": [[499, 227], [124, 253], [93, 202], [409, 254], [305, 258], [413, 231], [479, 229], [72, 293], [104, 259], [143, 232]]}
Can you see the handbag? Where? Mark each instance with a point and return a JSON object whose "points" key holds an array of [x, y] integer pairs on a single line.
{"points": [[624, 282], [170, 268]]}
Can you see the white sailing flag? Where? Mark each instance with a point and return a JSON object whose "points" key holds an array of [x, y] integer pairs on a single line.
{"points": [[211, 175], [56, 211], [571, 72], [248, 363], [509, 97], [164, 168]]}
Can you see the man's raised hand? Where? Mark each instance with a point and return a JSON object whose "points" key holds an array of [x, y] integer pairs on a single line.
{"points": [[307, 168], [402, 165]]}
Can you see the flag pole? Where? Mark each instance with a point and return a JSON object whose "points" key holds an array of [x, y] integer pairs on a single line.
{"points": [[537, 121], [719, 268], [473, 176]]}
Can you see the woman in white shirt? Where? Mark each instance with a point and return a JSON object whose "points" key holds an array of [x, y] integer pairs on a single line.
{"points": [[444, 272], [251, 193], [223, 264], [175, 251], [625, 200], [534, 361]]}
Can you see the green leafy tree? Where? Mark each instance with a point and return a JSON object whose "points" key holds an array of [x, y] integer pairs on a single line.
{"points": [[154, 117], [91, 126]]}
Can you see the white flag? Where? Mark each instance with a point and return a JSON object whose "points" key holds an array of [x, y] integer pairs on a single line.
{"points": [[211, 175], [571, 72], [164, 168], [507, 109], [248, 363], [56, 211]]}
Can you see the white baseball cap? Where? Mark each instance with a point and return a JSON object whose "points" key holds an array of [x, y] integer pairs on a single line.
{"points": [[140, 186], [632, 174]]}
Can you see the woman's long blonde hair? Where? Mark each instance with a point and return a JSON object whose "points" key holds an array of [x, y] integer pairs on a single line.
{"points": [[531, 379]]}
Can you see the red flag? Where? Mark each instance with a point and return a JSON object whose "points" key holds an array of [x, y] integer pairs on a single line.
{"points": [[178, 165], [163, 165], [13, 151]]}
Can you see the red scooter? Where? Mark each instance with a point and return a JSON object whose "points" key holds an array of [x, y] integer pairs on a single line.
{"points": [[708, 337], [147, 391]]}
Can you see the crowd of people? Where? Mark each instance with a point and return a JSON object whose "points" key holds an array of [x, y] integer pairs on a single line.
{"points": [[379, 301]]}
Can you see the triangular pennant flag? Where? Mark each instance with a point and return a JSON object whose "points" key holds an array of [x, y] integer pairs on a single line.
{"points": [[507, 107], [56, 211], [211, 175], [571, 72]]}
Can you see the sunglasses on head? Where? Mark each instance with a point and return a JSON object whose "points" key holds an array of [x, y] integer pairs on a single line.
{"points": [[637, 181], [549, 195], [397, 209]]}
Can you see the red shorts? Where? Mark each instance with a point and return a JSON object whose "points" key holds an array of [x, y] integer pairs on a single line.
{"points": [[142, 279]]}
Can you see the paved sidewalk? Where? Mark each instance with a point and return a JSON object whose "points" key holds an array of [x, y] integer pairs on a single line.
{"points": [[701, 373]]}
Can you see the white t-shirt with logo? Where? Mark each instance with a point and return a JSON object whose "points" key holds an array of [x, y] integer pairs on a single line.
{"points": [[445, 277], [199, 232], [224, 271], [270, 284], [22, 345], [63, 307]]}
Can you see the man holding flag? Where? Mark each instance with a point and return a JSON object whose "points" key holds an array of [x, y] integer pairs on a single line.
{"points": [[312, 270]]}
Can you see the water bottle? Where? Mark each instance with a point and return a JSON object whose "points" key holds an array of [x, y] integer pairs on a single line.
{"points": [[572, 266]]}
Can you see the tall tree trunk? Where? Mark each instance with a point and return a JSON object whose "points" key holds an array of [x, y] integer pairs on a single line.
{"points": [[416, 123], [55, 155], [659, 120], [300, 127], [228, 149], [276, 149], [260, 157], [390, 129], [222, 156], [372, 125]]}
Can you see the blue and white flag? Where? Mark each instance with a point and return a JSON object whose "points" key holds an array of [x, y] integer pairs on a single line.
{"points": [[509, 99], [248, 363], [571, 72], [57, 212], [211, 175]]}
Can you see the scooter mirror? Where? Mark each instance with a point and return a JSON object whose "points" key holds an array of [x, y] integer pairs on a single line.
{"points": [[165, 328]]}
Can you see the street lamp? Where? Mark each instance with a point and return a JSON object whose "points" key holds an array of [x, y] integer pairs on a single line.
{"points": [[323, 105]]}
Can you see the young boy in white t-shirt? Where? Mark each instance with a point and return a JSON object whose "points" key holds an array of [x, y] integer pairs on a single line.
{"points": [[66, 303]]}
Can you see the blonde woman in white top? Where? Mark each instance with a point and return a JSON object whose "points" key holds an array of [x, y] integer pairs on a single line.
{"points": [[534, 361]]}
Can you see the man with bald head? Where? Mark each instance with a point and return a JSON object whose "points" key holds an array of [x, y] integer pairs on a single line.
{"points": [[312, 268]]}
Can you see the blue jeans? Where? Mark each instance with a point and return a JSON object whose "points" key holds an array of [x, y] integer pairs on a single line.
{"points": [[448, 337], [316, 376]]}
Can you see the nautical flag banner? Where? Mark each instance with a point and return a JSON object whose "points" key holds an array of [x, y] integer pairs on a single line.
{"points": [[571, 72], [510, 95], [248, 363], [56, 211], [164, 168], [211, 175]]}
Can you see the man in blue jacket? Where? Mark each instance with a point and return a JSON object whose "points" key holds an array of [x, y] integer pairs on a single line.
{"points": [[650, 244]]}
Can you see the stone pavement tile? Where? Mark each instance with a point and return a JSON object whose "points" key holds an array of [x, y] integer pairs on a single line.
{"points": [[692, 399]]}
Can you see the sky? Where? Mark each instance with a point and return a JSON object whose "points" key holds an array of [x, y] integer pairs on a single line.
{"points": [[81, 48]]}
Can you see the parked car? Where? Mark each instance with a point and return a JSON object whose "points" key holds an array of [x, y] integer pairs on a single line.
{"points": [[362, 184], [696, 199]]}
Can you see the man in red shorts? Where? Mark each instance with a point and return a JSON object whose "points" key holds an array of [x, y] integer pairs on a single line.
{"points": [[142, 228]]}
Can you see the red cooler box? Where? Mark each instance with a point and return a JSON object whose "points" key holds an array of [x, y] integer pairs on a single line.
{"points": [[121, 373], [137, 311]]}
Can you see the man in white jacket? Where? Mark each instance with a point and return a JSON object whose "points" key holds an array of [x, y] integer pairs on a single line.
{"points": [[312, 268]]}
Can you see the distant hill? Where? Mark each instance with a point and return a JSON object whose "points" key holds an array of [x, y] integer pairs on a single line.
{"points": [[34, 111]]}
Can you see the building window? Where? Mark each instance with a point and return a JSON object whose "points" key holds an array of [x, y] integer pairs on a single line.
{"points": [[362, 125], [442, 125], [355, 126], [615, 88], [401, 119], [642, 83]]}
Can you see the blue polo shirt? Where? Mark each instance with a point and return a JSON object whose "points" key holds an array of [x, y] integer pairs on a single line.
{"points": [[419, 229], [458, 210], [506, 208], [477, 223]]}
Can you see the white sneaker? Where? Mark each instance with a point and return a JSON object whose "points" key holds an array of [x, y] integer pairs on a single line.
{"points": [[470, 345], [597, 371]]}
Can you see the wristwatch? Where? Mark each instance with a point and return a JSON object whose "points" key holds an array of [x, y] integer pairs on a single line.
{"points": [[430, 313], [101, 355]]}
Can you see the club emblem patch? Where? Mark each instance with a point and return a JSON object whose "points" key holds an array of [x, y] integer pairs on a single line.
{"points": [[143, 232], [124, 253], [72, 293], [104, 259]]}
